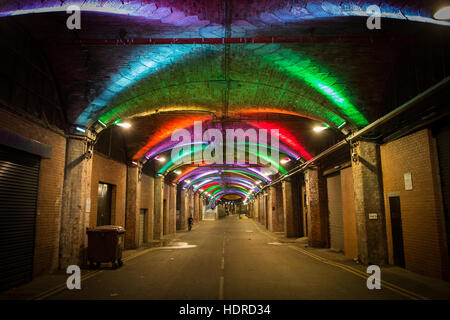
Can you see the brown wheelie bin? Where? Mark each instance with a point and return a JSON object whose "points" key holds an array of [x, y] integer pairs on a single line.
{"points": [[105, 244]]}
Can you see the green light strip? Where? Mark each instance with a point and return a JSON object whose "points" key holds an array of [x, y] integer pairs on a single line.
{"points": [[296, 65]]}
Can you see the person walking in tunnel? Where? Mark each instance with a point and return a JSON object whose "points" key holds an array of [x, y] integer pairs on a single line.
{"points": [[190, 222]]}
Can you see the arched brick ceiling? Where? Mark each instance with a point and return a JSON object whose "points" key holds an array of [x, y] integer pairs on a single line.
{"points": [[306, 78], [165, 87]]}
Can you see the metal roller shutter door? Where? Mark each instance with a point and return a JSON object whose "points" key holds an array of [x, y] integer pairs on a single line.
{"points": [[19, 178]]}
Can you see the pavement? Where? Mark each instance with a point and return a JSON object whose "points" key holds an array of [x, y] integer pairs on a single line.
{"points": [[236, 259]]}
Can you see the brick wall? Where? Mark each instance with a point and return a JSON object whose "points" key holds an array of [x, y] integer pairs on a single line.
{"points": [[421, 208], [147, 202], [112, 172], [51, 177]]}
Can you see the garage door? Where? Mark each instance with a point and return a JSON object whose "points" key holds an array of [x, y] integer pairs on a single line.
{"points": [[19, 177], [336, 224]]}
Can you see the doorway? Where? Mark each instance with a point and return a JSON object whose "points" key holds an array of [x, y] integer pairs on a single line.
{"points": [[104, 204], [335, 215], [397, 231]]}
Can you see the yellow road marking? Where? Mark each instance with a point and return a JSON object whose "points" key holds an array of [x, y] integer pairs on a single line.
{"points": [[86, 276], [359, 273]]}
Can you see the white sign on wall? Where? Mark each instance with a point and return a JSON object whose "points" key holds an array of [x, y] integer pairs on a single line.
{"points": [[408, 181]]}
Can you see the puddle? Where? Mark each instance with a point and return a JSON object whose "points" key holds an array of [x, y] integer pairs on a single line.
{"points": [[276, 243], [179, 245]]}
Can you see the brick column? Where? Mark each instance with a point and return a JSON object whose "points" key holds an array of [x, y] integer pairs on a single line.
{"points": [[275, 210], [196, 196], [277, 202], [372, 246], [172, 209], [166, 204], [76, 203], [262, 212], [158, 208], [291, 207], [250, 210], [256, 208], [184, 209], [201, 202], [132, 208], [317, 206], [191, 199], [149, 230]]}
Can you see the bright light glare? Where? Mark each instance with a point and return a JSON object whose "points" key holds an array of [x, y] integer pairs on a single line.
{"points": [[125, 125], [443, 13], [160, 158], [319, 128], [285, 160]]}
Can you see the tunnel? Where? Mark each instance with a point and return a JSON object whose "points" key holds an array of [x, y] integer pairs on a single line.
{"points": [[280, 150]]}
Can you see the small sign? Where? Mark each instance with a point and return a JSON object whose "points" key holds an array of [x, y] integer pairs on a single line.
{"points": [[88, 205], [373, 216], [408, 181]]}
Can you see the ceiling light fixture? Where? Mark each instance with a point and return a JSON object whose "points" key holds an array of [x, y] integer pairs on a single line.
{"points": [[285, 160], [443, 13], [125, 125], [319, 128], [80, 129]]}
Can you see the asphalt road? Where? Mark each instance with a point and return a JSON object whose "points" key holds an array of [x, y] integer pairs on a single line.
{"points": [[226, 259]]}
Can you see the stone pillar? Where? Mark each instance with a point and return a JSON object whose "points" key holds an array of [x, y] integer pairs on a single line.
{"points": [[133, 206], [275, 210], [201, 202], [196, 202], [172, 209], [166, 203], [191, 203], [76, 204], [158, 208], [267, 209], [148, 235], [256, 208], [372, 244], [291, 207], [184, 209], [317, 206], [261, 208], [277, 202]]}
